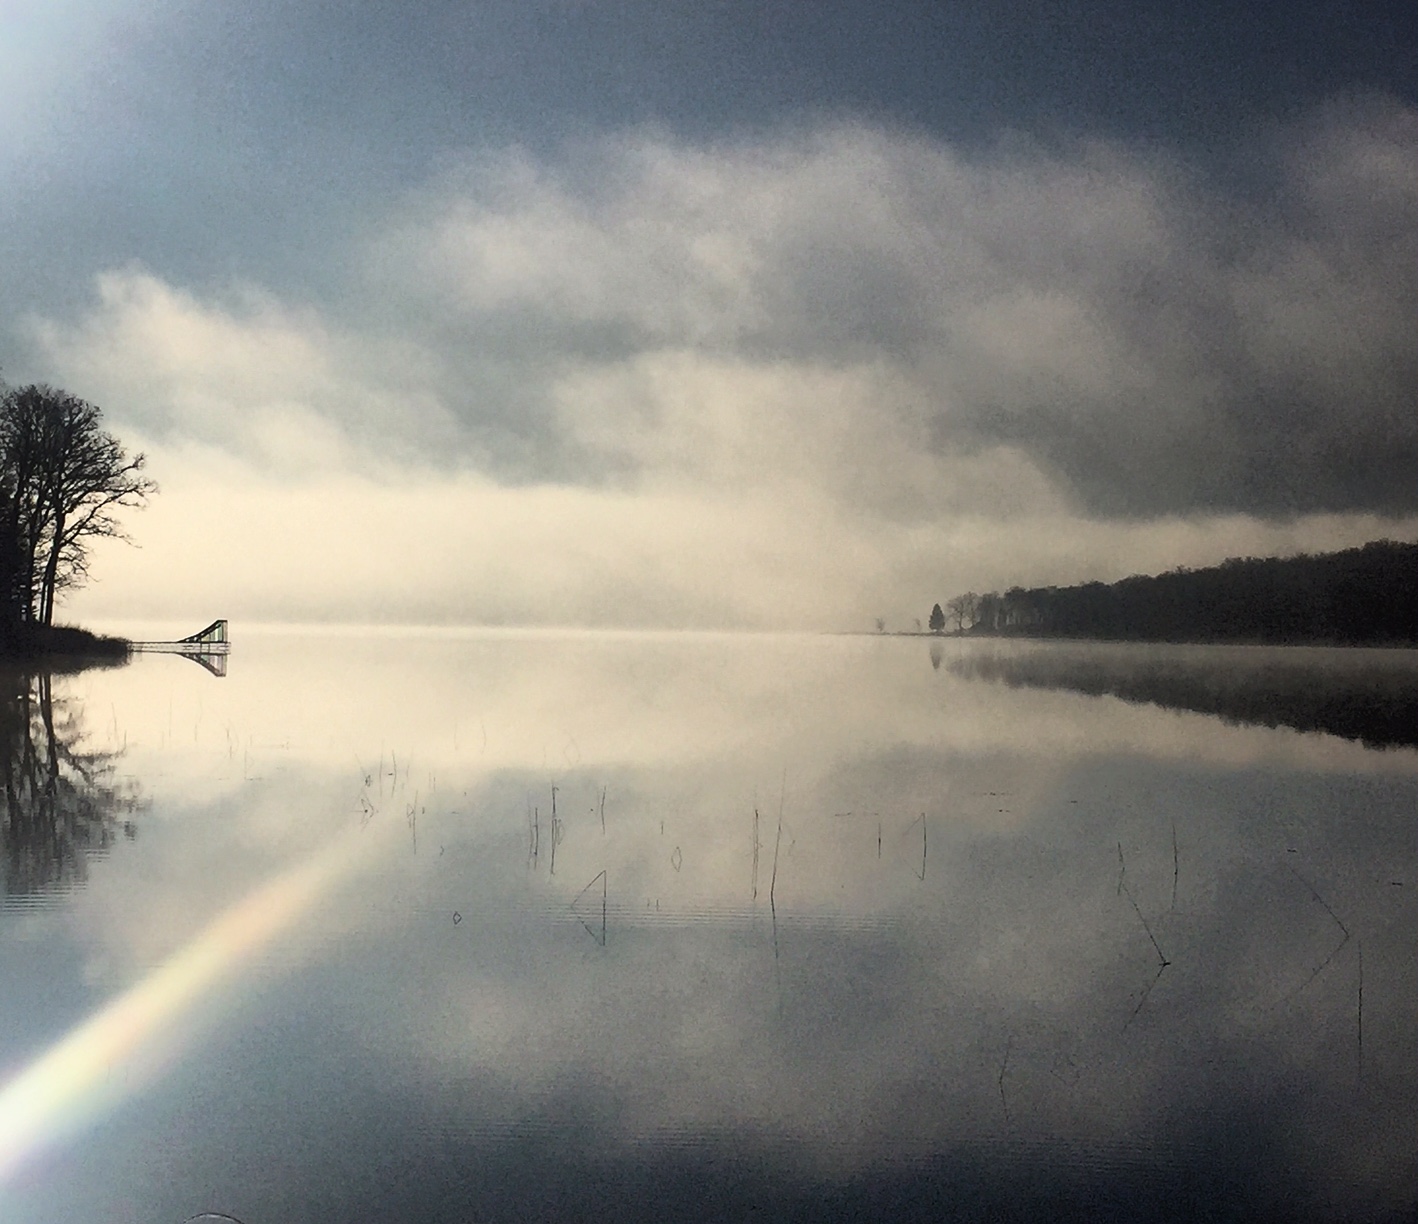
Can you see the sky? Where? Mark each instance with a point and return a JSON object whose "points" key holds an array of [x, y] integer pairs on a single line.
{"points": [[713, 314]]}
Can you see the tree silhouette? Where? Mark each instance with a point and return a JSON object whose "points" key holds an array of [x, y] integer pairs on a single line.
{"points": [[1366, 595], [62, 477], [937, 620], [964, 610]]}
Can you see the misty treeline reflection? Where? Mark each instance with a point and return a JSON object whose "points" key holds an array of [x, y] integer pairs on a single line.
{"points": [[1366, 695], [63, 802]]}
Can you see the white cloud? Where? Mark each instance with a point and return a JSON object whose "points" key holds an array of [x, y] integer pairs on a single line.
{"points": [[811, 378], [274, 384]]}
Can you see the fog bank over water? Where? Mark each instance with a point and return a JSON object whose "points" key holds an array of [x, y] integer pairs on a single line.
{"points": [[444, 549]]}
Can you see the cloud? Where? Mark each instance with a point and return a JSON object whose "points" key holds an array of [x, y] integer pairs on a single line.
{"points": [[1150, 344], [795, 355], [274, 385]]}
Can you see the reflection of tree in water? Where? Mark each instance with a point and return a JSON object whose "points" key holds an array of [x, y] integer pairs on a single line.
{"points": [[61, 803], [1363, 695]]}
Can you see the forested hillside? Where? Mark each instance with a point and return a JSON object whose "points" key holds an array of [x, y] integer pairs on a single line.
{"points": [[1366, 595]]}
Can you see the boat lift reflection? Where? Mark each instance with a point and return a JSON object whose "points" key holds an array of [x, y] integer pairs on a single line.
{"points": [[207, 648]]}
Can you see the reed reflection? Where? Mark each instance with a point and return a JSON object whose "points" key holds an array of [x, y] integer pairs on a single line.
{"points": [[63, 804]]}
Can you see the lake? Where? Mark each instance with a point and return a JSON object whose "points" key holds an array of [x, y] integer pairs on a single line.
{"points": [[496, 925]]}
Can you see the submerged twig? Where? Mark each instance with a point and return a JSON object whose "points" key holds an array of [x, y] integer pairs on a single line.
{"points": [[1333, 952], [1003, 1068], [1161, 969], [1361, 1011], [557, 832], [1176, 863], [1137, 909], [754, 877], [1315, 894], [772, 893], [590, 930], [777, 842]]}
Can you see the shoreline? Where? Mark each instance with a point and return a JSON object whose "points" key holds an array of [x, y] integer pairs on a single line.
{"points": [[995, 636], [66, 643]]}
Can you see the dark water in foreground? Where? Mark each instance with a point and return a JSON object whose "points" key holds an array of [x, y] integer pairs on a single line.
{"points": [[525, 926]]}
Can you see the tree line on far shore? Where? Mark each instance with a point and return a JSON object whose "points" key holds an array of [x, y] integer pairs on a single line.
{"points": [[62, 478], [1360, 596]]}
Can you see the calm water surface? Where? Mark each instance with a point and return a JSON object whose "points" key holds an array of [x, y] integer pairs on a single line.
{"points": [[500, 926]]}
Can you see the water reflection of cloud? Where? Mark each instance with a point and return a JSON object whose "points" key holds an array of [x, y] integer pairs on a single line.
{"points": [[1002, 1007], [980, 764], [549, 701], [1008, 994], [1017, 996]]}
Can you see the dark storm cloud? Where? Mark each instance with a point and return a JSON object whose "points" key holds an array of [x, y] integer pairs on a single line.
{"points": [[584, 242], [865, 309], [216, 140], [1150, 341]]}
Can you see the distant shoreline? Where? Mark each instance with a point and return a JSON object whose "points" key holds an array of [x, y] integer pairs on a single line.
{"points": [[977, 635], [1366, 596]]}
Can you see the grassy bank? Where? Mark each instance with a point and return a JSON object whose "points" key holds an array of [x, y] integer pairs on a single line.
{"points": [[54, 643]]}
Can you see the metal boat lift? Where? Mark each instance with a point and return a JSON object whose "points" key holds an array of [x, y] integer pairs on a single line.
{"points": [[208, 647]]}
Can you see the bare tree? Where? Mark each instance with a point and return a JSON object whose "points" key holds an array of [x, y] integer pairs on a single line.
{"points": [[21, 500], [964, 610], [972, 608], [956, 608], [62, 479]]}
